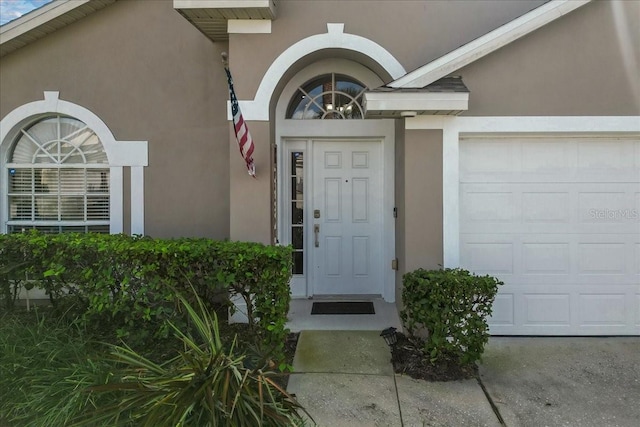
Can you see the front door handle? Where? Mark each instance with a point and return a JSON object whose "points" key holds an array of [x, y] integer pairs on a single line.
{"points": [[316, 232]]}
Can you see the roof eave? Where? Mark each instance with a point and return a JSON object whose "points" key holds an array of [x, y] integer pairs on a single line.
{"points": [[211, 17], [45, 20]]}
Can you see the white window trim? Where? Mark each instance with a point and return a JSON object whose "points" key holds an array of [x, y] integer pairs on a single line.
{"points": [[453, 127], [120, 154]]}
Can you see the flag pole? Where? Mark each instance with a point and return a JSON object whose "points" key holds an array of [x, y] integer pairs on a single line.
{"points": [[245, 141]]}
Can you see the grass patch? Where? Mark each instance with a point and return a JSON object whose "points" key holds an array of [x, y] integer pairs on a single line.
{"points": [[45, 364]]}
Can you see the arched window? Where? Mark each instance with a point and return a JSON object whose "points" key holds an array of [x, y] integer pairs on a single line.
{"points": [[329, 96], [58, 178]]}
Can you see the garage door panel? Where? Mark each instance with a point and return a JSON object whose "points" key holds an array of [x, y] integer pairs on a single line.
{"points": [[546, 207], [604, 207], [546, 258], [503, 310], [602, 309], [490, 206], [489, 156], [547, 309], [546, 157], [601, 258], [560, 225], [586, 203], [609, 155], [590, 177], [560, 309], [494, 258]]}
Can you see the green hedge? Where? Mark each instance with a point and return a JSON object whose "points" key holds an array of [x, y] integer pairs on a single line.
{"points": [[451, 306], [132, 278]]}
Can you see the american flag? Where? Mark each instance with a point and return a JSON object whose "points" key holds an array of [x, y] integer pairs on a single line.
{"points": [[245, 142]]}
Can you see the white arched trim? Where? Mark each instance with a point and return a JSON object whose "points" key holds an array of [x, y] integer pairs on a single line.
{"points": [[335, 38], [119, 155]]}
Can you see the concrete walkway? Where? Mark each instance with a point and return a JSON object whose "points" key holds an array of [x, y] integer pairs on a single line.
{"points": [[345, 378]]}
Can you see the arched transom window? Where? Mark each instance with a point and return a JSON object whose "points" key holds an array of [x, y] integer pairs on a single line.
{"points": [[330, 96], [58, 178]]}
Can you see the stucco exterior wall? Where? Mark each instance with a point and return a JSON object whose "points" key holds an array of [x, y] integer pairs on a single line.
{"points": [[149, 75], [251, 210], [586, 63], [423, 201]]}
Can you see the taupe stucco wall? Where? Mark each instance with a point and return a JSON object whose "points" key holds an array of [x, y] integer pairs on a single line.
{"points": [[422, 212], [585, 63], [251, 210], [149, 75]]}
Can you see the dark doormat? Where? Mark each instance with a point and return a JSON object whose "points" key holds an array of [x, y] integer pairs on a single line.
{"points": [[342, 307]]}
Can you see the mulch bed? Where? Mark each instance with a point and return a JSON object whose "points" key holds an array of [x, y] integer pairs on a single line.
{"points": [[409, 359]]}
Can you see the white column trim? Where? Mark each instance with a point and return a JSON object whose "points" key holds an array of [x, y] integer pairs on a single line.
{"points": [[116, 200], [137, 200], [450, 197]]}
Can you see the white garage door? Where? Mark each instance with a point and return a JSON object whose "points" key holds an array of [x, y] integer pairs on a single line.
{"points": [[558, 220]]}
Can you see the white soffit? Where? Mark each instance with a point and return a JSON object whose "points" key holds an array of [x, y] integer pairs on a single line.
{"points": [[487, 44], [45, 20], [214, 17]]}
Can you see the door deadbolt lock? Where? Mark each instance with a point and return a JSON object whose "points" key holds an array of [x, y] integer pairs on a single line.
{"points": [[316, 213]]}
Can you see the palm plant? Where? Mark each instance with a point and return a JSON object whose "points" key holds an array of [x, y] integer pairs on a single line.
{"points": [[204, 385]]}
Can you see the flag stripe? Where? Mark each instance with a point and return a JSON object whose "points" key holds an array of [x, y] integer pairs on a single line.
{"points": [[245, 142]]}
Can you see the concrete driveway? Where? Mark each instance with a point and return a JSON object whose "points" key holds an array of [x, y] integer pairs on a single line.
{"points": [[564, 381], [345, 379]]}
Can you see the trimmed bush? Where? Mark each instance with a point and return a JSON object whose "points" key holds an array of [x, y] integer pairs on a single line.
{"points": [[451, 306], [12, 271], [125, 280]]}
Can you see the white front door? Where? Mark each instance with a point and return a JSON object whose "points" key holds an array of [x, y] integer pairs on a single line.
{"points": [[347, 228]]}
